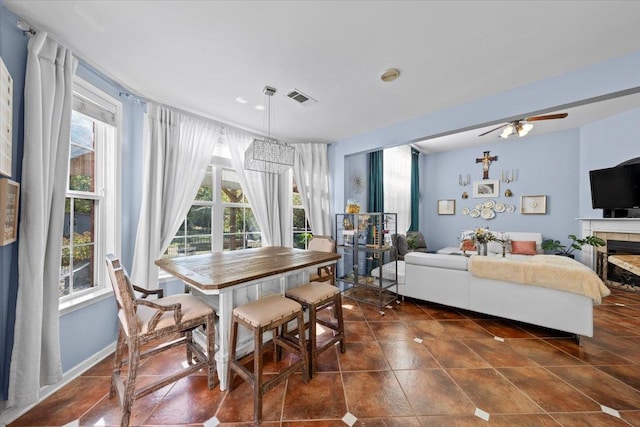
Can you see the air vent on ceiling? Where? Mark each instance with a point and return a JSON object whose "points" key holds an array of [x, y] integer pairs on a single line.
{"points": [[300, 97]]}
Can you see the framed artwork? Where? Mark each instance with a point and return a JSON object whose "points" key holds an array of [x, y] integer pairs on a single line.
{"points": [[486, 188], [533, 204], [9, 201], [6, 120], [446, 207]]}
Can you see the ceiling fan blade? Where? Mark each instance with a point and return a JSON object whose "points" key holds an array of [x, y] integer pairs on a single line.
{"points": [[547, 117], [493, 130]]}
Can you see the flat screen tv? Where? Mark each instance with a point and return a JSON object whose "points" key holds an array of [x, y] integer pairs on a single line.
{"points": [[616, 188]]}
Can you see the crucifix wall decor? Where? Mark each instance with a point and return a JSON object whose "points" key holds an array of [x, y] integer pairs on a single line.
{"points": [[486, 160]]}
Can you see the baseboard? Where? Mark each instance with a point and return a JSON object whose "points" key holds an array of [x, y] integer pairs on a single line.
{"points": [[11, 414]]}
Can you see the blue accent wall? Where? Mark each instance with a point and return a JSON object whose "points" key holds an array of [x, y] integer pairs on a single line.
{"points": [[13, 50], [88, 330], [545, 165]]}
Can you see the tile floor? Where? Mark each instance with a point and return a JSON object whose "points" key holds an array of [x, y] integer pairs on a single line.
{"points": [[535, 377]]}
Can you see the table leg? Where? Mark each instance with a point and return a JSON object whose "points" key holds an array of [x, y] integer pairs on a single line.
{"points": [[224, 327]]}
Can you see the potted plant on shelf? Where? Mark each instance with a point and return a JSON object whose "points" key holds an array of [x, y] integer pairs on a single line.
{"points": [[575, 245]]}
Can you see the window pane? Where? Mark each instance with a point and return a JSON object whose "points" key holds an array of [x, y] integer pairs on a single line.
{"points": [[299, 220], [66, 232], [205, 192], [301, 240], [199, 244], [232, 242], [231, 189], [174, 247], [199, 220], [250, 221], [83, 267], [83, 217], [63, 287], [82, 154], [82, 131], [233, 220]]}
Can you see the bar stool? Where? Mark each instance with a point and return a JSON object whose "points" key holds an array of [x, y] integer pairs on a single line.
{"points": [[317, 296], [260, 316]]}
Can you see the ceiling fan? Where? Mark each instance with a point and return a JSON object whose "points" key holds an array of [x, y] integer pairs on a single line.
{"points": [[522, 127]]}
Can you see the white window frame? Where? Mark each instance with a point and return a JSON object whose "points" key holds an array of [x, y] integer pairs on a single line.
{"points": [[306, 218], [93, 102]]}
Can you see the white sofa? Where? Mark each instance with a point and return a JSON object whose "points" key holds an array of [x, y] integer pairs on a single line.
{"points": [[445, 279]]}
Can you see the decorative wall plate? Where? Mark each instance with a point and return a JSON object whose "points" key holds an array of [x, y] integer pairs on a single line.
{"points": [[499, 207], [479, 206], [487, 213], [474, 213], [510, 208], [465, 211], [489, 204]]}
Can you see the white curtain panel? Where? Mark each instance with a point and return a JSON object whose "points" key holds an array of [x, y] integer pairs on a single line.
{"points": [[48, 92], [397, 184], [178, 149], [311, 170], [261, 190]]}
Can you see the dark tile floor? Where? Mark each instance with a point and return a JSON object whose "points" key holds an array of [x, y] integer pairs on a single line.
{"points": [[418, 365]]}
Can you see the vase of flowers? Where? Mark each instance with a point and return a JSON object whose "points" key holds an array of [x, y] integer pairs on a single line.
{"points": [[480, 238]]}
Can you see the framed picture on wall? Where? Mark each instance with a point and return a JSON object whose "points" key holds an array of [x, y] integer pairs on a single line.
{"points": [[446, 207], [9, 200], [533, 205], [486, 188]]}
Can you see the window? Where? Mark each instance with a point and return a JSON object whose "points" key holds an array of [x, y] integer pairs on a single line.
{"points": [[90, 205], [220, 217], [397, 184], [240, 229], [301, 228], [194, 235]]}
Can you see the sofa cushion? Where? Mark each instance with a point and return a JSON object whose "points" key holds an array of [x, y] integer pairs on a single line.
{"points": [[468, 245], [452, 262], [417, 238], [400, 242], [523, 247]]}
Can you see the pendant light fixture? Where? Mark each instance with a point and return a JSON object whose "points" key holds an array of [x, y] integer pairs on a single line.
{"points": [[267, 154]]}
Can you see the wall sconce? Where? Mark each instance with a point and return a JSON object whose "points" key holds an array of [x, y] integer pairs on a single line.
{"points": [[464, 182], [508, 176]]}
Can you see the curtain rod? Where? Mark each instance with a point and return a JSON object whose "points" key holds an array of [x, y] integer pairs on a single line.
{"points": [[26, 28]]}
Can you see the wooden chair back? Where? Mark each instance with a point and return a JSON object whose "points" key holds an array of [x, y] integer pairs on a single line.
{"points": [[124, 294], [323, 244]]}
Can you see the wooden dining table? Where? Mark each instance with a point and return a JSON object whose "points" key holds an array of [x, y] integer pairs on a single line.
{"points": [[221, 277]]}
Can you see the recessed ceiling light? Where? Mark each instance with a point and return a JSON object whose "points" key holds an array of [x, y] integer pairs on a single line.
{"points": [[241, 100], [259, 107], [390, 75]]}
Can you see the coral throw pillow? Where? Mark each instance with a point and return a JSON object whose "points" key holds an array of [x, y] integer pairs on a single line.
{"points": [[467, 245], [525, 247]]}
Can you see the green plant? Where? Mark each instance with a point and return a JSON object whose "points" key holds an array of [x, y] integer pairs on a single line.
{"points": [[575, 245]]}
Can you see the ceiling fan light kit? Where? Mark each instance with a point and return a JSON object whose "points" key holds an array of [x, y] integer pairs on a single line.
{"points": [[522, 127]]}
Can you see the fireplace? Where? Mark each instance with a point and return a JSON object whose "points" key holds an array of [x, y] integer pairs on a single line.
{"points": [[613, 275]]}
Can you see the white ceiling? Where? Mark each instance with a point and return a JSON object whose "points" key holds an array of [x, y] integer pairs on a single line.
{"points": [[200, 55]]}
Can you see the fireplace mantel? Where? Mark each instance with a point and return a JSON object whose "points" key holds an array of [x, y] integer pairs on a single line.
{"points": [[589, 226]]}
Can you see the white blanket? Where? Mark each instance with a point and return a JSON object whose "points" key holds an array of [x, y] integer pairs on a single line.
{"points": [[550, 271]]}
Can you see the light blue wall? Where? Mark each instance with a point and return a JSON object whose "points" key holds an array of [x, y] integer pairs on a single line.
{"points": [[13, 50], [605, 144], [545, 165], [86, 331]]}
